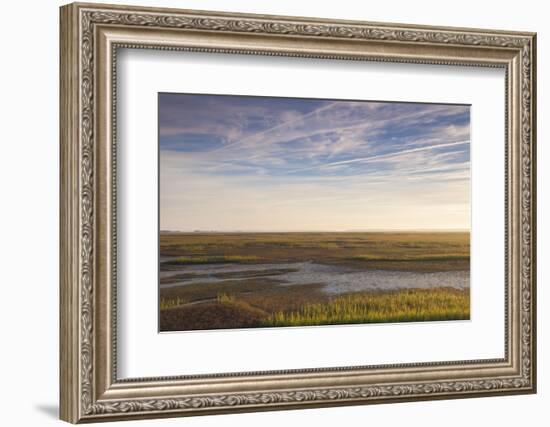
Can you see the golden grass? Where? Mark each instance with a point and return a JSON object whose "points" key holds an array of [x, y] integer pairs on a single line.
{"points": [[215, 259], [383, 307], [224, 298], [295, 308], [166, 303], [413, 257]]}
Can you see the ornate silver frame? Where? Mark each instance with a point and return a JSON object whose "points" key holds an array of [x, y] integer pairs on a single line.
{"points": [[90, 36]]}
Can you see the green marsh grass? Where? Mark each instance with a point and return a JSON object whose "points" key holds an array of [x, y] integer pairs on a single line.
{"points": [[380, 307], [215, 259], [413, 257], [224, 298], [167, 303]]}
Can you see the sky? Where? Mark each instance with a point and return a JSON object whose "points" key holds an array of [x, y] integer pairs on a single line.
{"points": [[248, 163]]}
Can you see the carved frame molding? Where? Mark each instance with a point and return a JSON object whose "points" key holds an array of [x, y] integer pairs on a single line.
{"points": [[90, 37]]}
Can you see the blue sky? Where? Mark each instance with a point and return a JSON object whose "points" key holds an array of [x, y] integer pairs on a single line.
{"points": [[288, 164]]}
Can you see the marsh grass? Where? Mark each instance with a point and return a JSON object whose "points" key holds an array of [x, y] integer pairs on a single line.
{"points": [[295, 308], [412, 257], [412, 251], [167, 303], [224, 298], [380, 307], [209, 291], [214, 259]]}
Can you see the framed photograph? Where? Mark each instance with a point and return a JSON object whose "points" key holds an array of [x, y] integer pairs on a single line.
{"points": [[266, 212]]}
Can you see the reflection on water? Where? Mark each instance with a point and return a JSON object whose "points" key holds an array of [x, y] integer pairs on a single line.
{"points": [[336, 278]]}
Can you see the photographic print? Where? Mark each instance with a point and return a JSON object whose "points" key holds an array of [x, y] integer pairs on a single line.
{"points": [[278, 212]]}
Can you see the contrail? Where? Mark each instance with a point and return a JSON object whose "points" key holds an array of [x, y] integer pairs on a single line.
{"points": [[382, 156], [280, 125]]}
